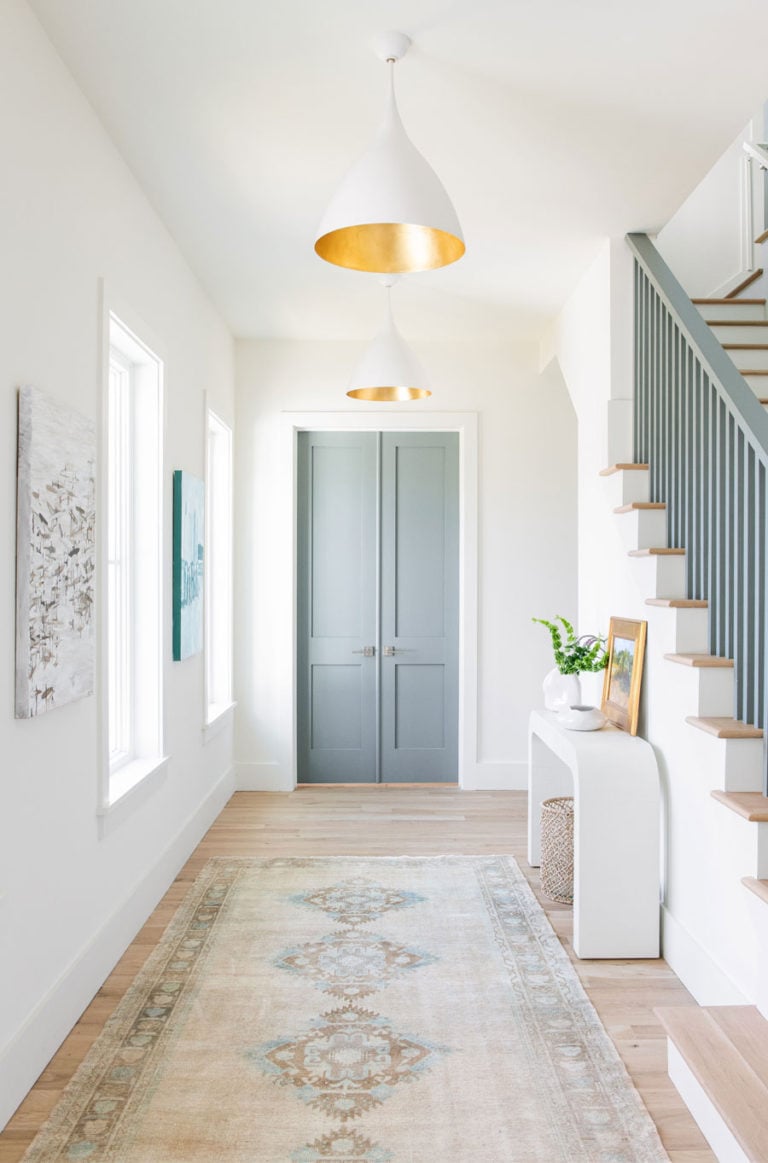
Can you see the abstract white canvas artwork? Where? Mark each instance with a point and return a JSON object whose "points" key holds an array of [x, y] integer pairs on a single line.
{"points": [[55, 555]]}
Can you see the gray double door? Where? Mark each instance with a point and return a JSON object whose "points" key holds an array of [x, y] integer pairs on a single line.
{"points": [[378, 549]]}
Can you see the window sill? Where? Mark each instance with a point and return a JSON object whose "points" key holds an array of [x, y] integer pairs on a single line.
{"points": [[129, 787], [219, 716]]}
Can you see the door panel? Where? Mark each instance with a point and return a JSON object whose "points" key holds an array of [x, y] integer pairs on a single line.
{"points": [[419, 606], [337, 598], [419, 706], [419, 488]]}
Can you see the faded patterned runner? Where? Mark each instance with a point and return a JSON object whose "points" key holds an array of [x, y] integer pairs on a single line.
{"points": [[359, 1010]]}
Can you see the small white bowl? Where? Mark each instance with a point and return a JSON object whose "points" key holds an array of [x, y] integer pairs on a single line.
{"points": [[582, 718]]}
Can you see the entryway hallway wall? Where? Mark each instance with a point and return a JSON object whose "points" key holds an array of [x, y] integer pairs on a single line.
{"points": [[526, 533]]}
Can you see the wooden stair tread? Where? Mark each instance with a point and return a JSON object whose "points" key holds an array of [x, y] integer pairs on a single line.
{"points": [[729, 302], [640, 505], [745, 347], [758, 887], [700, 660], [657, 551], [612, 468], [723, 1051], [761, 238], [750, 279], [723, 727], [679, 603], [737, 322], [750, 804], [754, 371]]}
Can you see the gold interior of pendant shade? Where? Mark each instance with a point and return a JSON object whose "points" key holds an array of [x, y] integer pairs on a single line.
{"points": [[389, 395], [389, 247]]}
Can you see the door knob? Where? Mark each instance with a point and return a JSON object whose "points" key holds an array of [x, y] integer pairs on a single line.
{"points": [[367, 651]]}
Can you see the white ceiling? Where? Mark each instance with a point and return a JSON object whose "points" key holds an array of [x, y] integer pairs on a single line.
{"points": [[551, 124]]}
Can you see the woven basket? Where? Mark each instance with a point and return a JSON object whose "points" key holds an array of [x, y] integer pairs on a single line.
{"points": [[557, 849]]}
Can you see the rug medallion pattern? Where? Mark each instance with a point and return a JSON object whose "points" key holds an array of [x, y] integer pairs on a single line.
{"points": [[423, 1009]]}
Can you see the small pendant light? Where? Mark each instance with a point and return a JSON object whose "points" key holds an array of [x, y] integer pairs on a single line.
{"points": [[389, 370], [391, 212]]}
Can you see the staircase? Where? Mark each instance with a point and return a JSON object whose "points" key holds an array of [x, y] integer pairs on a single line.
{"points": [[693, 513]]}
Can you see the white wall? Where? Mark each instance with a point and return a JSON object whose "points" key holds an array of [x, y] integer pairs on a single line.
{"points": [[704, 241], [525, 528], [71, 214]]}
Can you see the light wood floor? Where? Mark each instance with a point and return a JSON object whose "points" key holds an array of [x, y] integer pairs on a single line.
{"points": [[389, 820]]}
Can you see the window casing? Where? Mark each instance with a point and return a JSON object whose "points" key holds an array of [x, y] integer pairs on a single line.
{"points": [[218, 568], [134, 589]]}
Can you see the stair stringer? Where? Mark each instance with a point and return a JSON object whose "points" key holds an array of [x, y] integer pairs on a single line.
{"points": [[709, 934]]}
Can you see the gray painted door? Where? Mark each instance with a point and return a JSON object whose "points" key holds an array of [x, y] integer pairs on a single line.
{"points": [[419, 606], [337, 606], [377, 568]]}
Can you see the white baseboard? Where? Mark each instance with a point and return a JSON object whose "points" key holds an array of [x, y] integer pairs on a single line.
{"points": [[32, 1047], [491, 776], [705, 1114], [262, 777], [697, 970], [480, 777]]}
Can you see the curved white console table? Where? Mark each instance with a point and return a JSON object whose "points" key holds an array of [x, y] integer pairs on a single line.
{"points": [[614, 780]]}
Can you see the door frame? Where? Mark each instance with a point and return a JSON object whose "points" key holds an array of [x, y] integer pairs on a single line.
{"points": [[285, 566]]}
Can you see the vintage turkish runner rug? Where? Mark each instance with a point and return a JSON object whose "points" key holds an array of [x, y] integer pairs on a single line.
{"points": [[359, 1010]]}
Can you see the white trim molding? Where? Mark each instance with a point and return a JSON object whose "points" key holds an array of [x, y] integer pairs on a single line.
{"points": [[281, 775]]}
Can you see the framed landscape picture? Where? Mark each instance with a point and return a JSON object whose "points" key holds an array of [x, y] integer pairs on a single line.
{"points": [[55, 554], [188, 526], [624, 673]]}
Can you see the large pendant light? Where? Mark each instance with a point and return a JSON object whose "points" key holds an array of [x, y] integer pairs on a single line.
{"points": [[391, 212], [389, 370]]}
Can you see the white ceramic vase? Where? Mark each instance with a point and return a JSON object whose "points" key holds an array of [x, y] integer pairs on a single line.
{"points": [[561, 690]]}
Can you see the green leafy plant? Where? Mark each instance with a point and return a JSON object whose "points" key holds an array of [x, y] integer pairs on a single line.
{"points": [[584, 655]]}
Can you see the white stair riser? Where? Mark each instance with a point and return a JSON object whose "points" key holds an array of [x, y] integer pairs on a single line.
{"points": [[743, 844], [627, 486], [643, 528], [725, 764], [676, 630], [757, 910], [710, 1122], [660, 576], [702, 691], [759, 385], [736, 334], [732, 310], [749, 357]]}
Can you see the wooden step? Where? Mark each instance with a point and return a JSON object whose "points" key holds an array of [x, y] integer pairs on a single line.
{"points": [[761, 238], [723, 727], [657, 551], [700, 660], [747, 282], [728, 302], [630, 508], [679, 603], [758, 887], [754, 371], [738, 322], [750, 804], [726, 1050], [612, 468]]}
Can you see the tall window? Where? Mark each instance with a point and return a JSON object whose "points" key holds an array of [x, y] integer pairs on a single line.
{"points": [[134, 579], [218, 580]]}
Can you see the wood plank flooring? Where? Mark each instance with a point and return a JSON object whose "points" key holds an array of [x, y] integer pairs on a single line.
{"points": [[338, 820]]}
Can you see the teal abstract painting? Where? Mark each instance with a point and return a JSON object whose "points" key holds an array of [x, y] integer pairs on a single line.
{"points": [[188, 527]]}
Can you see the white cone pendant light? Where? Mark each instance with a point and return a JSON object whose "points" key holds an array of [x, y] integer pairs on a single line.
{"points": [[391, 212], [388, 371]]}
